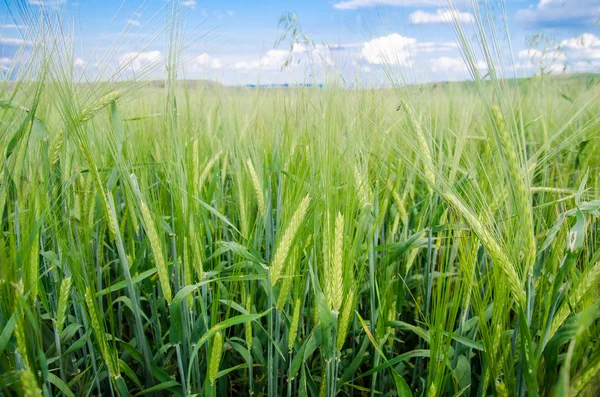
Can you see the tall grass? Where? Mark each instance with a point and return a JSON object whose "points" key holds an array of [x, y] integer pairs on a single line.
{"points": [[215, 240]]}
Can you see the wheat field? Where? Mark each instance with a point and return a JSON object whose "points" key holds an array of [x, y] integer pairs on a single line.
{"points": [[196, 239]]}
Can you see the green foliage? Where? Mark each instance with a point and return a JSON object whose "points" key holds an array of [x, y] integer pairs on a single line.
{"points": [[217, 240]]}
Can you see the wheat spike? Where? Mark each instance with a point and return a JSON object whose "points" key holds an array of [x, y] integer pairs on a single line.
{"points": [[586, 281], [215, 357], [364, 191], [207, 168], [336, 275], [345, 320], [294, 325], [258, 189], [248, 324], [29, 383], [285, 243], [157, 253], [519, 189], [422, 144], [98, 329], [63, 303]]}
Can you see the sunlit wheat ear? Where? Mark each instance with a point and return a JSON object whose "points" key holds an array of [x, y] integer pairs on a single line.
{"points": [[364, 190], [397, 200], [215, 357], [157, 252], [583, 380], [195, 160], [519, 188], [422, 144], [98, 329], [586, 283], [293, 333], [197, 265], [483, 233], [20, 324], [207, 168], [63, 303], [33, 270], [489, 242], [56, 148], [345, 319], [501, 389], [286, 284], [335, 276], [323, 387], [283, 248], [92, 110], [258, 189], [248, 324], [29, 383], [188, 271]]}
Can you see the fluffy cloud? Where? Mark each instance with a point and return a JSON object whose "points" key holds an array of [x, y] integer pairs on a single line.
{"points": [[581, 53], [395, 49], [442, 15], [454, 65], [560, 13], [5, 63], [354, 4], [47, 3], [12, 26], [272, 60], [133, 22], [586, 46], [9, 41], [189, 3], [206, 61], [139, 61]]}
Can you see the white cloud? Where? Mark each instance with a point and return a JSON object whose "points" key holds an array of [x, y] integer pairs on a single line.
{"points": [[47, 3], [5, 63], [9, 41], [442, 15], [137, 61], [585, 46], [12, 26], [133, 22], [455, 65], [272, 60], [581, 53], [189, 3], [206, 60], [560, 13], [392, 49], [395, 49], [354, 4], [79, 63]]}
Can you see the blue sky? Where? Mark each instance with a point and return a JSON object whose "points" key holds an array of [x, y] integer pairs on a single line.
{"points": [[233, 41]]}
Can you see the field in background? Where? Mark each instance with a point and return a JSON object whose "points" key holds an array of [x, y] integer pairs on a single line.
{"points": [[195, 239]]}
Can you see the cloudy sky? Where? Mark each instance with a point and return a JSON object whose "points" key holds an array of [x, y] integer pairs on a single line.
{"points": [[235, 41]]}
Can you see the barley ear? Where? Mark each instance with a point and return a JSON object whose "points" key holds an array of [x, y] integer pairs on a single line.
{"points": [[157, 252], [285, 243], [337, 277], [294, 325], [345, 319], [258, 189], [248, 324], [98, 329], [215, 357], [63, 303], [29, 384]]}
